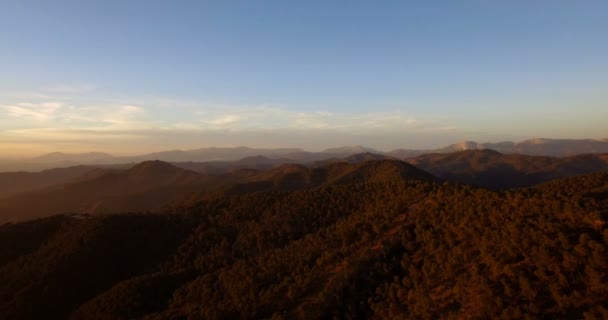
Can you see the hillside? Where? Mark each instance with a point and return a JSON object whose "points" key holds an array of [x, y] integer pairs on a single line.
{"points": [[15, 182], [219, 167], [146, 186], [290, 177], [410, 249], [491, 169], [151, 185], [354, 158]]}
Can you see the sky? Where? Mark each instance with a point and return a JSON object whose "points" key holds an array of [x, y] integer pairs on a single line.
{"points": [[129, 77]]}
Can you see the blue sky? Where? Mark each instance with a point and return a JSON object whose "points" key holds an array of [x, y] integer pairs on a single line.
{"points": [[136, 76]]}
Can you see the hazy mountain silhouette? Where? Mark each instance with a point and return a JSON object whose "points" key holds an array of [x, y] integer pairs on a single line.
{"points": [[541, 147], [12, 183], [152, 184], [15, 182], [546, 147], [146, 186], [212, 154], [349, 150], [89, 157]]}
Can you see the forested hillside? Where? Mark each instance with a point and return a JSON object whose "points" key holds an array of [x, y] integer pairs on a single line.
{"points": [[491, 169], [375, 245]]}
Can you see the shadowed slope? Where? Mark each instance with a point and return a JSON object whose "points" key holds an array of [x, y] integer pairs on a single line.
{"points": [[147, 186], [15, 182], [491, 169], [405, 249], [294, 176], [81, 258]]}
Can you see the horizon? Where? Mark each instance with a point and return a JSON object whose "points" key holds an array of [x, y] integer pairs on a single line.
{"points": [[123, 78], [320, 150]]}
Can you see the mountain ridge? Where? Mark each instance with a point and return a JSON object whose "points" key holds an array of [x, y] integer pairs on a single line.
{"points": [[153, 184], [411, 250], [491, 169], [537, 146]]}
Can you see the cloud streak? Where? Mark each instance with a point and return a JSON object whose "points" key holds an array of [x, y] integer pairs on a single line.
{"points": [[65, 126], [36, 111], [60, 115], [264, 117]]}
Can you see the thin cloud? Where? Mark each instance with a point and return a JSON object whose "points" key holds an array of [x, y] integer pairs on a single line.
{"points": [[123, 116], [239, 118], [17, 111], [37, 111], [129, 127], [62, 116]]}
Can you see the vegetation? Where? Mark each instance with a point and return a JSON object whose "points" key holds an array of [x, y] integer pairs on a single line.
{"points": [[494, 170], [366, 247]]}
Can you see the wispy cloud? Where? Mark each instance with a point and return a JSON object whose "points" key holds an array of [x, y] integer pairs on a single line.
{"points": [[266, 117], [129, 117], [60, 115], [122, 116], [63, 125], [37, 111]]}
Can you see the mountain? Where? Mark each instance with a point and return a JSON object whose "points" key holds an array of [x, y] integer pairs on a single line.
{"points": [[368, 247], [90, 157], [292, 177], [354, 158], [212, 154], [217, 167], [219, 155], [58, 160], [366, 156], [491, 169], [464, 145], [561, 147], [296, 177], [349, 150], [373, 171], [146, 186], [151, 185], [16, 182], [539, 147], [545, 147]]}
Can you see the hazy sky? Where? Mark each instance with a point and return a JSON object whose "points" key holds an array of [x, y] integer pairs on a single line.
{"points": [[135, 76]]}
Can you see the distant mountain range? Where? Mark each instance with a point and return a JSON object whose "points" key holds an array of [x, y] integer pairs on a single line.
{"points": [[94, 157], [539, 147], [146, 186], [491, 169], [152, 185], [355, 238], [535, 147]]}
